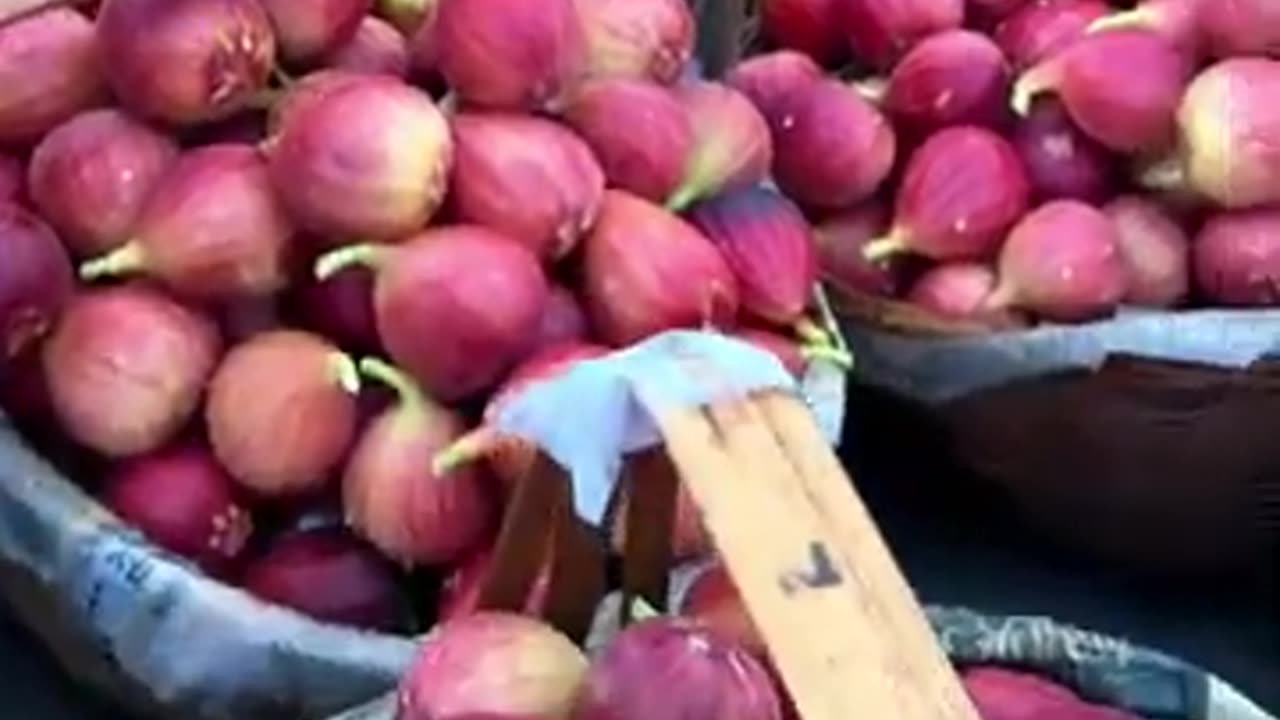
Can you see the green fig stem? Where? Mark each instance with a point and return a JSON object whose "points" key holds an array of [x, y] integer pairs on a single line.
{"points": [[829, 320], [465, 450], [642, 610], [832, 355], [265, 99], [810, 332], [335, 261], [282, 76], [1135, 19], [125, 260], [345, 372], [683, 197], [1165, 174], [872, 89], [408, 394], [882, 249], [448, 104], [1031, 84]]}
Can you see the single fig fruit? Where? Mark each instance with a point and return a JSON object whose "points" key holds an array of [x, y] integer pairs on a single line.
{"points": [[36, 280], [186, 61], [1062, 262], [457, 306], [510, 54], [363, 156], [643, 39], [1236, 258], [962, 190], [1062, 162], [770, 81], [282, 411], [307, 30], [833, 149], [881, 31], [956, 77], [769, 247], [713, 600], [500, 156], [1040, 30], [640, 132], [339, 308], [564, 321], [1178, 22], [50, 69], [1233, 28], [91, 175], [212, 230], [840, 241], [809, 26], [646, 270], [1126, 112], [377, 48], [960, 291], [126, 367], [731, 145], [1156, 250]]}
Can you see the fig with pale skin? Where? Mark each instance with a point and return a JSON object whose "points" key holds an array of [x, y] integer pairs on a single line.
{"points": [[50, 69], [391, 495], [645, 39], [126, 367], [281, 412]]}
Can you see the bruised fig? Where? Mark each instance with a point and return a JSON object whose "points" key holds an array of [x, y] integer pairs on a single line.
{"points": [[840, 240], [648, 39], [501, 156], [91, 175], [186, 61], [731, 145], [50, 69], [646, 270], [962, 190], [808, 26], [391, 494], [957, 77], [638, 130], [772, 79], [35, 280], [376, 48], [456, 331], [1039, 30], [563, 321], [880, 31], [126, 367], [282, 411], [1155, 249], [212, 230], [1236, 257], [768, 245], [510, 54], [833, 149], [306, 30], [1062, 262], [362, 156], [1125, 111]]}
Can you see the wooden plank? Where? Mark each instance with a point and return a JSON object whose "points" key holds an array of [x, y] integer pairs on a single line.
{"points": [[652, 487], [843, 628]]}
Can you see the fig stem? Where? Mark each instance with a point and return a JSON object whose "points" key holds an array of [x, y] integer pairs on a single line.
{"points": [[448, 104], [829, 320], [281, 76], [872, 89], [409, 395], [810, 332], [1135, 19], [465, 450], [335, 261], [824, 353], [1030, 85], [1002, 298], [346, 372], [882, 249], [265, 99], [683, 197], [124, 260], [1166, 174]]}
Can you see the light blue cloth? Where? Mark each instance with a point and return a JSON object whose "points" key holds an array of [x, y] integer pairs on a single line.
{"points": [[603, 409]]}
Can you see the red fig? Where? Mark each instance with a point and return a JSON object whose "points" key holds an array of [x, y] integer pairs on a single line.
{"points": [[186, 61], [1233, 28], [394, 499], [12, 179], [1236, 257], [1156, 250], [677, 669], [1062, 262], [339, 308], [639, 131], [328, 576], [713, 600], [406, 15], [282, 411], [500, 156], [772, 79], [957, 77], [50, 69], [809, 26], [962, 190], [182, 500], [880, 31], [362, 156], [306, 30], [563, 321], [460, 595], [840, 240], [91, 175], [35, 280], [1061, 161], [1230, 133], [376, 48], [126, 367], [1001, 694], [510, 54], [1040, 30], [1125, 112], [832, 149], [456, 306], [493, 665], [769, 247], [956, 291], [211, 230], [731, 145], [647, 270], [1177, 21], [647, 39]]}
